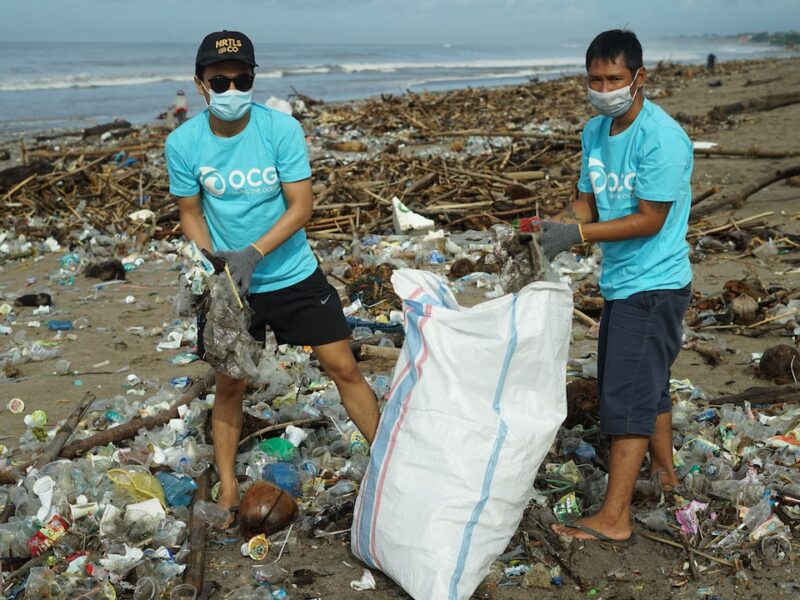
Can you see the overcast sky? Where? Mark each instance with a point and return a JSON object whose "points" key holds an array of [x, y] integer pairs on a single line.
{"points": [[385, 21]]}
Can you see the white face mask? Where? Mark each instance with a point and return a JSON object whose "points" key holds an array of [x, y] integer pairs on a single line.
{"points": [[614, 103]]}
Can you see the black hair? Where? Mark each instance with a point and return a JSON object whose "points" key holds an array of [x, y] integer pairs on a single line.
{"points": [[612, 44]]}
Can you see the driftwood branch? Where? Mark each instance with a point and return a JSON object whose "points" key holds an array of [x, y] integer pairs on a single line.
{"points": [[131, 428], [738, 197], [195, 572], [763, 395]]}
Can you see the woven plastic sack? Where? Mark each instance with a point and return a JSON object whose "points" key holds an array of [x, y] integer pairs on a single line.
{"points": [[477, 397]]}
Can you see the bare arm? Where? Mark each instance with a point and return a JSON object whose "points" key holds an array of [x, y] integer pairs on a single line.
{"points": [[193, 223], [646, 222], [299, 204], [583, 210]]}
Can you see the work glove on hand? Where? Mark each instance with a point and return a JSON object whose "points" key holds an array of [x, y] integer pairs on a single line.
{"points": [[557, 237], [241, 264]]}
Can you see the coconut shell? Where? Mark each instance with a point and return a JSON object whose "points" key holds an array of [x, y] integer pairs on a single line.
{"points": [[780, 363], [743, 310], [265, 509]]}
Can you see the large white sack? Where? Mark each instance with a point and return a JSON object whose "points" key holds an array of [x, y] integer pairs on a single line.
{"points": [[477, 397]]}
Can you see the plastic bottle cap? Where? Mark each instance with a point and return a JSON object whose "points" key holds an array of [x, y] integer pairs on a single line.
{"points": [[16, 405]]}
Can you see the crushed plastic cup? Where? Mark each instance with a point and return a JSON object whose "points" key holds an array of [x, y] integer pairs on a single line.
{"points": [[257, 547], [183, 591], [147, 588], [44, 487], [78, 511], [140, 510]]}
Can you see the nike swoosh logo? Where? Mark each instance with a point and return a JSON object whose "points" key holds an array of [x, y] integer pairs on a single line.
{"points": [[325, 301]]}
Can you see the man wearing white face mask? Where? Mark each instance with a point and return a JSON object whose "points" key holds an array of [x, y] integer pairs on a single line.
{"points": [[241, 175], [634, 201]]}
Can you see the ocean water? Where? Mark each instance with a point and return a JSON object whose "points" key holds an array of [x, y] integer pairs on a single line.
{"points": [[67, 85]]}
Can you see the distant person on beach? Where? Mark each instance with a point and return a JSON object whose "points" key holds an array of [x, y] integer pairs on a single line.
{"points": [[242, 179], [711, 61], [180, 107], [634, 200]]}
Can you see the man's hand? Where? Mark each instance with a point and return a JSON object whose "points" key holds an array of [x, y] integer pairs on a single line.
{"points": [[557, 237], [241, 264]]}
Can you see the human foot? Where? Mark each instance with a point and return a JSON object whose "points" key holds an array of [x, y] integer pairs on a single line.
{"points": [[229, 500], [595, 528]]}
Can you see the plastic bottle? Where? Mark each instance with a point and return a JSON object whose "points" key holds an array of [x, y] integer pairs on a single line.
{"points": [[355, 468], [718, 469], [212, 514], [335, 494], [58, 325], [757, 514]]}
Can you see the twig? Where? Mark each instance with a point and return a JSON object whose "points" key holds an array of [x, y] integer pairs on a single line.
{"points": [[655, 538]]}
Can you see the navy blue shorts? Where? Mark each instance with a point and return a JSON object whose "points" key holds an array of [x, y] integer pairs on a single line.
{"points": [[308, 313], [640, 338]]}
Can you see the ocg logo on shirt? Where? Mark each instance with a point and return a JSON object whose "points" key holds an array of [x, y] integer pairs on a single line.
{"points": [[617, 185], [259, 181]]}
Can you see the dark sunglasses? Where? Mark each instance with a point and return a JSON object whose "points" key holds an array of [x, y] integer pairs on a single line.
{"points": [[221, 84]]}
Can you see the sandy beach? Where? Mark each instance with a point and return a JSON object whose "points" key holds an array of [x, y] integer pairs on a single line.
{"points": [[106, 352]]}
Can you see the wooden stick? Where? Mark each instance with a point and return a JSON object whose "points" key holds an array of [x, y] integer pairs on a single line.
{"points": [[789, 392], [555, 136], [367, 351], [527, 175], [697, 198], [280, 427], [132, 427], [195, 572], [745, 152], [21, 184], [65, 432], [584, 318], [738, 198], [773, 318], [54, 448], [655, 538], [733, 224], [234, 289]]}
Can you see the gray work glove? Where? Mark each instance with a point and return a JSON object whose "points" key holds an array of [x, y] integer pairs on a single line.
{"points": [[241, 264], [557, 237]]}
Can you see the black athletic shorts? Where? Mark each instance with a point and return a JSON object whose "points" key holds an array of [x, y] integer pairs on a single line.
{"points": [[640, 338], [308, 313]]}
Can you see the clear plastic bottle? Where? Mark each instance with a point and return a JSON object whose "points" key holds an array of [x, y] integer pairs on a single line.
{"points": [[213, 515], [757, 514]]}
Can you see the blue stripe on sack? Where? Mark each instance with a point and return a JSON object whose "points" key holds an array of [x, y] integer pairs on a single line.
{"points": [[502, 431], [413, 346]]}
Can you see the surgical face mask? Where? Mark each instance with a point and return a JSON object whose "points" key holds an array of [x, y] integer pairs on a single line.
{"points": [[231, 105], [614, 103]]}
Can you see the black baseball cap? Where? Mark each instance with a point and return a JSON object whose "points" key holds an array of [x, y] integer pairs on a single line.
{"points": [[225, 45]]}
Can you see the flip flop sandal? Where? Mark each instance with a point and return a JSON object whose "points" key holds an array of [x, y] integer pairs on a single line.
{"points": [[599, 537], [233, 510]]}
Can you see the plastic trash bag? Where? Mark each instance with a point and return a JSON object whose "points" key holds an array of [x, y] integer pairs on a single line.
{"points": [[478, 395]]}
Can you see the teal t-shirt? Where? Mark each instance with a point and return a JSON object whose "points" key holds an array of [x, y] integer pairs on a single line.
{"points": [[239, 179], [651, 160]]}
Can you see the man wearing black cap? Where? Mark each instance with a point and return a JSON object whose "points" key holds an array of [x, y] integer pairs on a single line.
{"points": [[243, 181]]}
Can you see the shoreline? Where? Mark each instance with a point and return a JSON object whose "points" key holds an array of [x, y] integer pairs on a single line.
{"points": [[43, 135]]}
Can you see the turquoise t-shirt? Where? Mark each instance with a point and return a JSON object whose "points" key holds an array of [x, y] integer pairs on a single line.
{"points": [[240, 179], [651, 160]]}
